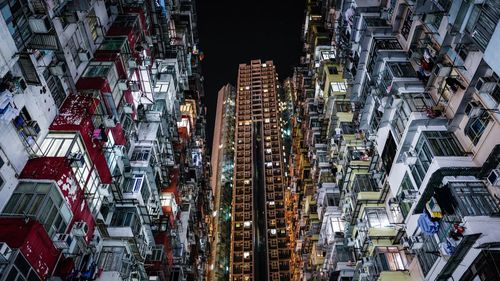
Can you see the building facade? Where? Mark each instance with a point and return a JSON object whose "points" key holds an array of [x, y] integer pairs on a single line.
{"points": [[221, 181], [395, 141], [102, 144], [259, 235]]}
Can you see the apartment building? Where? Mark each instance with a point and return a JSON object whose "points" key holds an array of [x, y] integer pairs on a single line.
{"points": [[101, 157], [221, 181], [395, 142], [259, 236]]}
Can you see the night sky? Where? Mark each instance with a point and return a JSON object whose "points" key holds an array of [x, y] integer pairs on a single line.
{"points": [[237, 31]]}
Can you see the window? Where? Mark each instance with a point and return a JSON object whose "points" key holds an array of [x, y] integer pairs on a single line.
{"points": [[476, 126], [482, 22], [402, 69], [73, 46], [472, 199], [485, 267], [405, 204], [363, 183], [430, 145], [55, 87], [16, 14], [443, 143], [127, 217], [134, 184], [390, 259], [115, 259], [428, 254], [93, 24], [140, 154], [337, 224], [27, 128], [401, 120], [20, 269], [44, 202], [376, 217]]}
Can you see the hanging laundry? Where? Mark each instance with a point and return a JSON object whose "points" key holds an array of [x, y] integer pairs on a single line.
{"points": [[428, 226]]}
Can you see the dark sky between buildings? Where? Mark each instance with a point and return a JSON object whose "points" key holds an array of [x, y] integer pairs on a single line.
{"points": [[236, 31]]}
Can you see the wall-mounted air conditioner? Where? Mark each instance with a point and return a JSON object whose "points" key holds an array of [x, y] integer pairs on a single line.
{"points": [[76, 159], [133, 86], [442, 70], [132, 63], [409, 195], [58, 69], [409, 157], [80, 229], [122, 85], [40, 24], [84, 55], [62, 241], [416, 242], [473, 109], [350, 242], [485, 84], [109, 122]]}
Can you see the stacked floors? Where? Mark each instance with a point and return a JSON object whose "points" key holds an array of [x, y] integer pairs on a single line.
{"points": [[101, 152], [259, 241]]}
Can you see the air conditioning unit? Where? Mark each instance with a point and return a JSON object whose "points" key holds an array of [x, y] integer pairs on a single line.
{"points": [[442, 71], [76, 159], [96, 242], [366, 261], [58, 69], [350, 242], [109, 122], [494, 177], [485, 84], [62, 241], [5, 252], [40, 24], [473, 109], [80, 229], [405, 242], [409, 195], [31, 128], [361, 224], [122, 85], [409, 158], [84, 55], [416, 243], [133, 86], [132, 63], [128, 109]]}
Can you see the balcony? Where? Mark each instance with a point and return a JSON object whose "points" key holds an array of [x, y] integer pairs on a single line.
{"points": [[125, 223]]}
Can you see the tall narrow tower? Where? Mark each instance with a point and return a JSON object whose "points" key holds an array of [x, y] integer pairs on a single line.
{"points": [[259, 241]]}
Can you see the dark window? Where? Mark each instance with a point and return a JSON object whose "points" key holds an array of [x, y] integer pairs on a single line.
{"points": [[405, 203], [22, 264], [485, 267], [389, 153], [476, 126], [55, 87], [472, 199], [428, 254]]}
